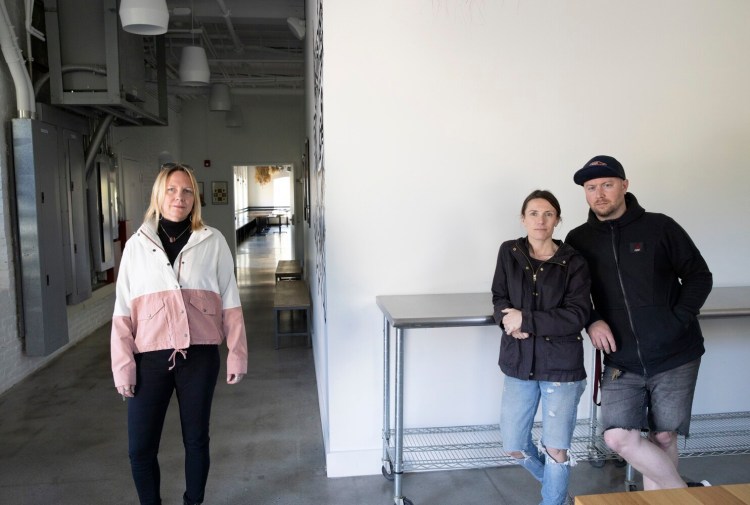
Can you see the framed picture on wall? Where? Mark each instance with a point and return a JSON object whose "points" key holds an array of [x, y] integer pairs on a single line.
{"points": [[219, 193]]}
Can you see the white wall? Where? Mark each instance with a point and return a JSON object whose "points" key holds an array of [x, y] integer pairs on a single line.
{"points": [[137, 150], [440, 116], [273, 132]]}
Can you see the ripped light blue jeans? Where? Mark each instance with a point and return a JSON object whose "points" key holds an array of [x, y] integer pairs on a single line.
{"points": [[559, 401]]}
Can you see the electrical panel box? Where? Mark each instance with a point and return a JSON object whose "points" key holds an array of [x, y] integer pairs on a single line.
{"points": [[45, 316]]}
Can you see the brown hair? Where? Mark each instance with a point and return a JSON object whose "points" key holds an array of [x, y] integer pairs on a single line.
{"points": [[544, 195]]}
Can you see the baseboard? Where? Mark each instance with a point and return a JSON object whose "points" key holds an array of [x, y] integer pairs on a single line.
{"points": [[354, 463]]}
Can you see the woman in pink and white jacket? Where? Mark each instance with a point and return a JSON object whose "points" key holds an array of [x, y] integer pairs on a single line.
{"points": [[177, 301]]}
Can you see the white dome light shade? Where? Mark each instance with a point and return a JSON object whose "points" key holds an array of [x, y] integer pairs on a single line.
{"points": [[165, 157], [234, 118], [219, 99], [144, 17], [297, 26], [194, 69]]}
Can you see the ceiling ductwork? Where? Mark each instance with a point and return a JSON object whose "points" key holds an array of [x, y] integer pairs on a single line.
{"points": [[85, 34], [93, 66]]}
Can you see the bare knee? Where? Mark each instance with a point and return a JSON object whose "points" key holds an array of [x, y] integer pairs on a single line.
{"points": [[518, 454], [559, 455], [620, 440], [663, 439]]}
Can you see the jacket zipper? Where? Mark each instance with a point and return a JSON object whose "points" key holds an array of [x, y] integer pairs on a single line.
{"points": [[625, 299], [533, 304], [534, 272]]}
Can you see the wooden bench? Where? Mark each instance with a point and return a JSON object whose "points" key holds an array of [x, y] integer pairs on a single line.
{"points": [[292, 296], [288, 270]]}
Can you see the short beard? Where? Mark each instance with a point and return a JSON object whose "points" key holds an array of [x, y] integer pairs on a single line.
{"points": [[606, 214]]}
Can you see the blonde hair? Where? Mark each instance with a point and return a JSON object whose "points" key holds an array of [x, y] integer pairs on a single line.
{"points": [[153, 213]]}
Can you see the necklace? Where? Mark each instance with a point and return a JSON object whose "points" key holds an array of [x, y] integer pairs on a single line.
{"points": [[172, 239], [545, 256]]}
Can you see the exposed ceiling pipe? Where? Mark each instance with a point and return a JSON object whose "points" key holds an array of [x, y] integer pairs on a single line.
{"points": [[190, 34], [30, 30], [29, 6], [238, 47], [24, 91], [96, 141]]}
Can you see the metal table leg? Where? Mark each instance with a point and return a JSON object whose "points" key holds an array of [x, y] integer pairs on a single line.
{"points": [[630, 484], [276, 329], [387, 467], [398, 469]]}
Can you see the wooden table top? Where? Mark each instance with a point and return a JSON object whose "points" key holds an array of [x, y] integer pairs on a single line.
{"points": [[733, 494]]}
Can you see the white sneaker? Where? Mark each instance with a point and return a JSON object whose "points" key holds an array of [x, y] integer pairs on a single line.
{"points": [[703, 483]]}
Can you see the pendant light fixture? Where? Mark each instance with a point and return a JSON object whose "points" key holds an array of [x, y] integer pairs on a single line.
{"points": [[144, 17], [297, 26], [194, 70], [234, 118], [219, 98]]}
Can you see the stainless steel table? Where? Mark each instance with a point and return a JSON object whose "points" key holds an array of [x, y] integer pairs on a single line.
{"points": [[406, 312]]}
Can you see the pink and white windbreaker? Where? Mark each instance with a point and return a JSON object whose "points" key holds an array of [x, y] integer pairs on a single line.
{"points": [[160, 306]]}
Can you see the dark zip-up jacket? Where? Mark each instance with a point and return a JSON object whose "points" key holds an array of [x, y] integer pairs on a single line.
{"points": [[649, 283], [555, 301]]}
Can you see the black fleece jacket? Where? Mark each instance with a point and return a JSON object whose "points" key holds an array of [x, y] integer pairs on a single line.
{"points": [[649, 282], [555, 300]]}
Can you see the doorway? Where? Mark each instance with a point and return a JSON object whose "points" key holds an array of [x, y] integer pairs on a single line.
{"points": [[263, 200]]}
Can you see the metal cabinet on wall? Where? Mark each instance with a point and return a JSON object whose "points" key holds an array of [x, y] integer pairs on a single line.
{"points": [[35, 152], [70, 170], [102, 207], [73, 201]]}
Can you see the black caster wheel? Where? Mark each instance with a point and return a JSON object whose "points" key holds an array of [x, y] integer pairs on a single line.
{"points": [[388, 475], [619, 463], [631, 487], [597, 463], [407, 501]]}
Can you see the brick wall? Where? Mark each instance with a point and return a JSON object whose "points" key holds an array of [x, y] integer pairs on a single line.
{"points": [[83, 319]]}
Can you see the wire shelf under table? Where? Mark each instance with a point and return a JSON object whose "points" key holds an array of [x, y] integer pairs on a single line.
{"points": [[480, 446]]}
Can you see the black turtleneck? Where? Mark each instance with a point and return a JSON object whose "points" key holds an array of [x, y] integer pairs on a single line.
{"points": [[179, 232]]}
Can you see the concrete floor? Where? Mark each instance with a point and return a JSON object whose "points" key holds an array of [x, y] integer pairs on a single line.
{"points": [[63, 435]]}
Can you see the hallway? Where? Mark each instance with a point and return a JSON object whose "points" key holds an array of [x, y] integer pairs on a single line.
{"points": [[63, 435]]}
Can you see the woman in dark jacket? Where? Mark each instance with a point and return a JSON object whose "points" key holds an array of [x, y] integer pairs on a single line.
{"points": [[541, 298]]}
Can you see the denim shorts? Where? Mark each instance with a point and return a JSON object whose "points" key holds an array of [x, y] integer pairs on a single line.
{"points": [[660, 403]]}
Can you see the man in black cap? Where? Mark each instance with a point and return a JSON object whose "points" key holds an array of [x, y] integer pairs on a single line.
{"points": [[649, 282]]}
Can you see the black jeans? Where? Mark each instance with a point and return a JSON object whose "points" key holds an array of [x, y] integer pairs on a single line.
{"points": [[194, 380]]}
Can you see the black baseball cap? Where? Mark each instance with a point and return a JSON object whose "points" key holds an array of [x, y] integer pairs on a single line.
{"points": [[599, 166]]}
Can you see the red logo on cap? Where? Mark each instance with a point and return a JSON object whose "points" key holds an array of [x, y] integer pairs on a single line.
{"points": [[597, 164]]}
